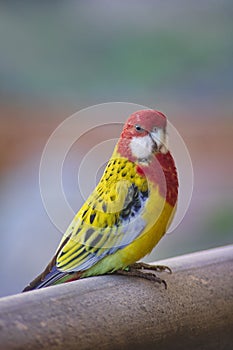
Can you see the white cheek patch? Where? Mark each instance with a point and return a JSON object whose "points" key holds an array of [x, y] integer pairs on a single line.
{"points": [[141, 147]]}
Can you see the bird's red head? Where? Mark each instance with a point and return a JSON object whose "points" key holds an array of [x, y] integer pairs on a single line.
{"points": [[147, 120], [144, 133]]}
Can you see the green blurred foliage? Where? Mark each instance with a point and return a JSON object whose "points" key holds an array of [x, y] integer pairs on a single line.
{"points": [[116, 50]]}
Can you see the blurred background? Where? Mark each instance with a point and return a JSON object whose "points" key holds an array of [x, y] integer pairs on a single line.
{"points": [[58, 57]]}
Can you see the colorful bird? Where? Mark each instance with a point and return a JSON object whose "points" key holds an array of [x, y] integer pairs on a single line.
{"points": [[127, 213]]}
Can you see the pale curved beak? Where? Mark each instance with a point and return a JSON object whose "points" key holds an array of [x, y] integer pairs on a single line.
{"points": [[159, 137]]}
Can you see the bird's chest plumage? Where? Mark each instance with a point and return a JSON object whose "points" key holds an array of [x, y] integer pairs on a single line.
{"points": [[128, 189]]}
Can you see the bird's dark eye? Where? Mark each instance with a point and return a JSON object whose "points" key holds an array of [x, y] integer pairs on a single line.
{"points": [[138, 128]]}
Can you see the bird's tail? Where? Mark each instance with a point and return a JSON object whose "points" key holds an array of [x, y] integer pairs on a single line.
{"points": [[51, 276]]}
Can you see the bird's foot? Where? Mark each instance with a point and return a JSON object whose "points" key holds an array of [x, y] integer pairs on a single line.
{"points": [[144, 266], [137, 270]]}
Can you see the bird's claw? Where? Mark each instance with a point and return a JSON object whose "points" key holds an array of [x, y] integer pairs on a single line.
{"points": [[144, 266], [136, 272]]}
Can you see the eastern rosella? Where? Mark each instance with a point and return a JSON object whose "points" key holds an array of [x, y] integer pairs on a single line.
{"points": [[127, 213]]}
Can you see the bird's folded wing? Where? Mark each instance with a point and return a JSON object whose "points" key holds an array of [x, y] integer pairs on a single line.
{"points": [[108, 221]]}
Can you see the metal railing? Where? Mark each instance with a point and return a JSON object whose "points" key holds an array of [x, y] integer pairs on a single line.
{"points": [[118, 312]]}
